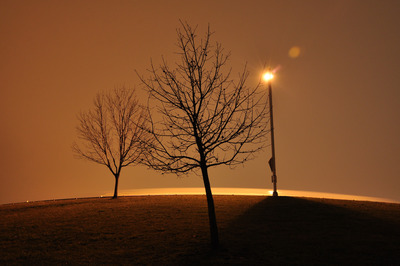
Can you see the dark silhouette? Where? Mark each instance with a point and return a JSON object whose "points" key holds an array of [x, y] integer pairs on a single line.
{"points": [[205, 118], [112, 132], [306, 231]]}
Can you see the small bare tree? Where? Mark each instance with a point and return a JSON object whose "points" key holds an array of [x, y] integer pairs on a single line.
{"points": [[112, 132], [206, 118]]}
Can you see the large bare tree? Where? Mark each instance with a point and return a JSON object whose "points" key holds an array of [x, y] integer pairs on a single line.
{"points": [[111, 133], [203, 117]]}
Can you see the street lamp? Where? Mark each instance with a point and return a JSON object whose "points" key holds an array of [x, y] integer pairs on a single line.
{"points": [[268, 76]]}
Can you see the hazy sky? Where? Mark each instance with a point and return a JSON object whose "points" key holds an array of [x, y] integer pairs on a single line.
{"points": [[336, 105]]}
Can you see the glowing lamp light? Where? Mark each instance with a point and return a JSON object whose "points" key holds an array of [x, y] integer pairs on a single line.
{"points": [[267, 76]]}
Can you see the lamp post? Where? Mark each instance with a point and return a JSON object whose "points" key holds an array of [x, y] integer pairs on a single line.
{"points": [[268, 76]]}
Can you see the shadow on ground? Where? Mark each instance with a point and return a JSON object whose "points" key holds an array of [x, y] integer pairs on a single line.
{"points": [[301, 231]]}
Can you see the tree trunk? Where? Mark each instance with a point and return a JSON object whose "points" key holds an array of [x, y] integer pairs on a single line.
{"points": [[116, 186], [211, 210]]}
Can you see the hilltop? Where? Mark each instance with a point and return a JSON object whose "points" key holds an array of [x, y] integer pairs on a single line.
{"points": [[173, 230]]}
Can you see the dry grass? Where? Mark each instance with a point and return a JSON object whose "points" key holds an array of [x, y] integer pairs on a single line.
{"points": [[173, 230]]}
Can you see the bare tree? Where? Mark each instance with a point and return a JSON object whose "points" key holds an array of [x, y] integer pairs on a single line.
{"points": [[112, 132], [206, 119]]}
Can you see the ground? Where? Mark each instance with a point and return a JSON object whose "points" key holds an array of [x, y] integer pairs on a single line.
{"points": [[173, 230]]}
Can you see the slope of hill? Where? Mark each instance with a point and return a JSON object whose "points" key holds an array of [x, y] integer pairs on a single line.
{"points": [[173, 230]]}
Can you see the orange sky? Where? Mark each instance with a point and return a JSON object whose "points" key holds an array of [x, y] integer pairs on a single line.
{"points": [[336, 105]]}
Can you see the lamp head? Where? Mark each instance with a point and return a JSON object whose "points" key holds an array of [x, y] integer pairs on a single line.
{"points": [[268, 76]]}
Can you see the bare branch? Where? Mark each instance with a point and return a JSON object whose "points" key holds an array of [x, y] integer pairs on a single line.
{"points": [[205, 117]]}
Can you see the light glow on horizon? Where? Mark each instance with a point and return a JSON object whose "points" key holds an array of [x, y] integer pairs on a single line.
{"points": [[244, 192]]}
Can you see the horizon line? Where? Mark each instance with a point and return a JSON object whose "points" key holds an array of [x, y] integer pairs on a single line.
{"points": [[171, 191], [244, 192]]}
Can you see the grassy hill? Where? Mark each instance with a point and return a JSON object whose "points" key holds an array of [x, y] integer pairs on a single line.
{"points": [[173, 230]]}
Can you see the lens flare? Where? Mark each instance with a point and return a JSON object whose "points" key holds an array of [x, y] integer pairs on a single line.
{"points": [[294, 52]]}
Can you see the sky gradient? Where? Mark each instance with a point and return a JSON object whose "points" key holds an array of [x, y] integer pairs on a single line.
{"points": [[336, 95]]}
